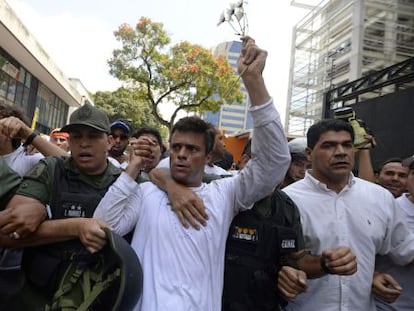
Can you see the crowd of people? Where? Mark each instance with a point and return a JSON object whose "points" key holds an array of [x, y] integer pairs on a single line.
{"points": [[294, 228]]}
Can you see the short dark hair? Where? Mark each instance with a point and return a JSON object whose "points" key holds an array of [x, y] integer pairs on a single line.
{"points": [[197, 125], [390, 160], [10, 111], [316, 130], [149, 130]]}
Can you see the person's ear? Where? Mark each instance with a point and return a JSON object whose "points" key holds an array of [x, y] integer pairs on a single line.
{"points": [[308, 154], [111, 141], [208, 158]]}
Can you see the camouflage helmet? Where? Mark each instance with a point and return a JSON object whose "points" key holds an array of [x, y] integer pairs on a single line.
{"points": [[110, 279]]}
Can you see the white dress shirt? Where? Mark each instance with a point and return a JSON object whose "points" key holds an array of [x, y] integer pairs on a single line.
{"points": [[363, 216], [404, 275]]}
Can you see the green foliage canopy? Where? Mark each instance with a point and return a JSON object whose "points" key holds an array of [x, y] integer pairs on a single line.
{"points": [[185, 74]]}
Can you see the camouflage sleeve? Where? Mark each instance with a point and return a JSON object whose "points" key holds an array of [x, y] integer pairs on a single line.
{"points": [[38, 182], [9, 181]]}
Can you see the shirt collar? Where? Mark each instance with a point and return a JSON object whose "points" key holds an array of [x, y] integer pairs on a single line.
{"points": [[318, 184]]}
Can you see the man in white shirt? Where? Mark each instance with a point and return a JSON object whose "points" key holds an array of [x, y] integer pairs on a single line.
{"points": [[402, 275], [338, 209], [216, 154], [183, 268]]}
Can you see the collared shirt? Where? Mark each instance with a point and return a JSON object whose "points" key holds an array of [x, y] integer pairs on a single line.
{"points": [[183, 268], [363, 216], [404, 275]]}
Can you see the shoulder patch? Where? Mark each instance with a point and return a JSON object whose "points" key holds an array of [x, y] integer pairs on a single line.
{"points": [[37, 170]]}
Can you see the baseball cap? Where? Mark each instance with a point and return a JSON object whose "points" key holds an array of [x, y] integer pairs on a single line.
{"points": [[121, 125], [90, 116], [408, 162]]}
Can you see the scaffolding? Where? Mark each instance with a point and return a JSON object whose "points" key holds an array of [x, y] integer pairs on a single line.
{"points": [[342, 41]]}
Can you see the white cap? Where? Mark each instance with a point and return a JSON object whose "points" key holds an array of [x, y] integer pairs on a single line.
{"points": [[298, 145]]}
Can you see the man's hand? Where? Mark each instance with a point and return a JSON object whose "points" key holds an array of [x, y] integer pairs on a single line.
{"points": [[91, 234], [139, 156], [291, 282], [250, 66], [340, 261], [187, 205], [23, 215], [184, 202], [13, 127], [385, 287], [252, 59]]}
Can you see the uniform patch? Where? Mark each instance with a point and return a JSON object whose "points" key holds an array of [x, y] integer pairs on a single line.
{"points": [[247, 234], [73, 210], [288, 244], [37, 170]]}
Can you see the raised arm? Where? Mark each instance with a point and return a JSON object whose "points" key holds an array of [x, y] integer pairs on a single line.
{"points": [[14, 127], [270, 154], [120, 206]]}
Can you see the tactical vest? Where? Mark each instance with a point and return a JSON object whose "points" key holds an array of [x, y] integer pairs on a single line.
{"points": [[71, 197], [255, 245]]}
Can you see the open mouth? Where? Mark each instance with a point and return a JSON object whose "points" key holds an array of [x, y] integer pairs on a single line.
{"points": [[85, 156]]}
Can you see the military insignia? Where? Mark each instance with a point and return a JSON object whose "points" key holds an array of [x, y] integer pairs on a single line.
{"points": [[37, 171], [288, 244], [246, 234], [84, 112], [73, 210]]}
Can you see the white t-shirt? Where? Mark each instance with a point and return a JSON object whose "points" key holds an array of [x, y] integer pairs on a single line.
{"points": [[20, 162], [363, 216], [404, 275], [183, 268]]}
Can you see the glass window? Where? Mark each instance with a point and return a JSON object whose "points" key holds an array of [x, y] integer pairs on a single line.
{"points": [[28, 79], [11, 90], [4, 79], [21, 75], [19, 94], [25, 99]]}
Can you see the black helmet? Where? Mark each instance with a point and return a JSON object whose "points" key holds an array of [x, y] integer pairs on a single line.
{"points": [[110, 279]]}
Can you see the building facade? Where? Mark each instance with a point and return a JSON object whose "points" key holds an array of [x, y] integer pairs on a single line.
{"points": [[29, 79], [340, 41], [231, 118]]}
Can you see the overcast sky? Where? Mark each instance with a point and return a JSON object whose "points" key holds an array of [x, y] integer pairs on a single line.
{"points": [[78, 34]]}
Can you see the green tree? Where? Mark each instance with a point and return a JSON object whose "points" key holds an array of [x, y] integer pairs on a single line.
{"points": [[184, 74], [127, 105]]}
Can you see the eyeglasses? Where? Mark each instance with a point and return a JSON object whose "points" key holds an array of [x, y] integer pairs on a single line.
{"points": [[122, 137]]}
